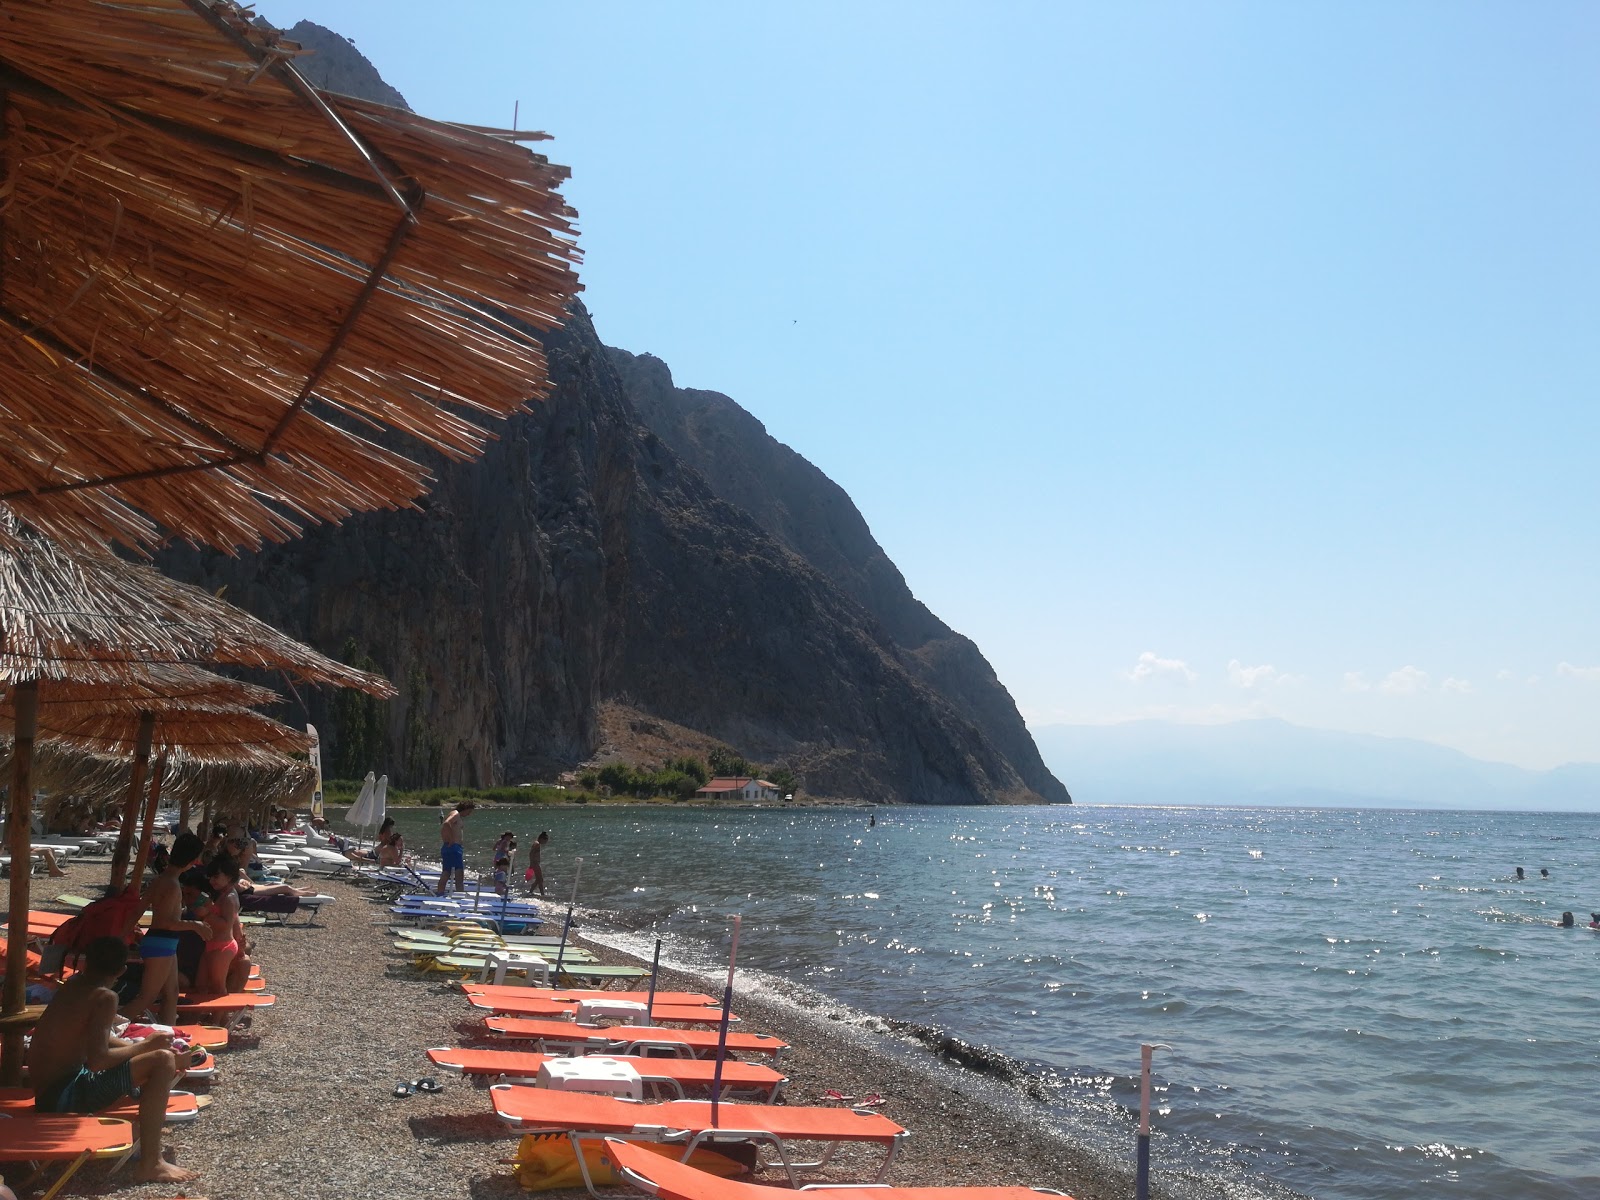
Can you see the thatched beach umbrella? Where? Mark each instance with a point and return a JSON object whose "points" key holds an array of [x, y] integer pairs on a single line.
{"points": [[102, 727], [110, 635], [221, 285]]}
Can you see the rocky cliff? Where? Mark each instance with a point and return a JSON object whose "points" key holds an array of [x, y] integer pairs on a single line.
{"points": [[587, 557], [805, 511]]}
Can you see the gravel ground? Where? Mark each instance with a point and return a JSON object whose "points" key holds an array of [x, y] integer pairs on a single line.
{"points": [[304, 1105]]}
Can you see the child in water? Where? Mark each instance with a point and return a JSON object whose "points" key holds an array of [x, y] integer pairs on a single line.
{"points": [[534, 876]]}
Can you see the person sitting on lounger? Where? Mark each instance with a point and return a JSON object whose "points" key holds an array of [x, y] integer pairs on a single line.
{"points": [[78, 1067], [387, 851], [159, 948]]}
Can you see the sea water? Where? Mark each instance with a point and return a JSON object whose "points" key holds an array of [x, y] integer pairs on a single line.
{"points": [[1360, 1004]]}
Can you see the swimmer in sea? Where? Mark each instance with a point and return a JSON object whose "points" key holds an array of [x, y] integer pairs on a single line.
{"points": [[1520, 875]]}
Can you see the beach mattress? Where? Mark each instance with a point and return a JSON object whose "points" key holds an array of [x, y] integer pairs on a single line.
{"points": [[540, 1006], [519, 1104], [573, 995], [684, 1072], [668, 1179], [51, 1138], [233, 1002], [181, 1106], [207, 1037], [621, 1038]]}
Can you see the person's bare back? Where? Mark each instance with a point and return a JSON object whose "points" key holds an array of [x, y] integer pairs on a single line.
{"points": [[60, 1044]]}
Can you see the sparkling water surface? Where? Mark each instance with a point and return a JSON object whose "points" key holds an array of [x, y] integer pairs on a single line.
{"points": [[1361, 1004]]}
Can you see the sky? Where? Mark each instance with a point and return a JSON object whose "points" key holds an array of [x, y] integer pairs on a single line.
{"points": [[1198, 361]]}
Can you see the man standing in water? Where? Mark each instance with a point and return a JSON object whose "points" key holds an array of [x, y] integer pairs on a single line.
{"points": [[451, 855], [159, 947], [78, 1067]]}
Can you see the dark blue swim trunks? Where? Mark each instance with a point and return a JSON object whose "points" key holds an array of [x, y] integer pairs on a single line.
{"points": [[453, 856], [87, 1091], [158, 945]]}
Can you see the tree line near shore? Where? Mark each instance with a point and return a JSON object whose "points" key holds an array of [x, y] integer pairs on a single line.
{"points": [[677, 780]]}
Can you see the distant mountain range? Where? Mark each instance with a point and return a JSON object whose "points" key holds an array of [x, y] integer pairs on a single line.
{"points": [[1274, 762]]}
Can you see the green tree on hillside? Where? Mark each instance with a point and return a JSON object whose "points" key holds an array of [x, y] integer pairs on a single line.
{"points": [[692, 767], [726, 762]]}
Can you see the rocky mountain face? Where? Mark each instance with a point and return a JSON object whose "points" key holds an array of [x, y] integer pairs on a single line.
{"points": [[802, 509], [589, 557]]}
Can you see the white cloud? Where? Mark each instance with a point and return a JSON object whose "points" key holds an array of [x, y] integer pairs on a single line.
{"points": [[1356, 681], [1407, 681], [1461, 687], [1150, 666], [1251, 677], [1587, 674], [1504, 676]]}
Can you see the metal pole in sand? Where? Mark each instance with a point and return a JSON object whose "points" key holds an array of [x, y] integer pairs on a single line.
{"points": [[722, 1028], [650, 1002], [577, 869], [1142, 1179]]}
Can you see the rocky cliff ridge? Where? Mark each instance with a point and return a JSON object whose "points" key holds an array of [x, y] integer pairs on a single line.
{"points": [[589, 557]]}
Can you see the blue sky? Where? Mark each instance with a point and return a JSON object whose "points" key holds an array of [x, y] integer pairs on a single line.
{"points": [[1197, 361]]}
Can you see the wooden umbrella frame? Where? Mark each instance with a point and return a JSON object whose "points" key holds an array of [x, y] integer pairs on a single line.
{"points": [[220, 285]]}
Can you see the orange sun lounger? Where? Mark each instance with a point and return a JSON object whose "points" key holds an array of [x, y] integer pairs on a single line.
{"points": [[540, 1006], [659, 1176], [688, 1123], [574, 995], [631, 1039], [515, 1066], [68, 1139], [181, 1106], [207, 1037], [33, 960], [227, 1007]]}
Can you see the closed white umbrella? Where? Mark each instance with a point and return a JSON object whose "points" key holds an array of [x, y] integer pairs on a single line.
{"points": [[360, 813], [316, 765]]}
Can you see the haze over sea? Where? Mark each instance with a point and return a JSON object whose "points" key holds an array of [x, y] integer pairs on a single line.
{"points": [[1362, 1004]]}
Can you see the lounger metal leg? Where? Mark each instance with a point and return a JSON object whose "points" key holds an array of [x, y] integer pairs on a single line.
{"points": [[67, 1173], [583, 1167]]}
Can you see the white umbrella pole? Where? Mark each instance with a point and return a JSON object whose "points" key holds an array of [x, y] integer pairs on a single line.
{"points": [[722, 1028], [577, 869]]}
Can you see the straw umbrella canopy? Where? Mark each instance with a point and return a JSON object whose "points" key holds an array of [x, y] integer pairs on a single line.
{"points": [[69, 612], [224, 287], [235, 776], [165, 705], [107, 638]]}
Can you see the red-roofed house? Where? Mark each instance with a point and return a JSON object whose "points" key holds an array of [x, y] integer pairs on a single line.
{"points": [[735, 787]]}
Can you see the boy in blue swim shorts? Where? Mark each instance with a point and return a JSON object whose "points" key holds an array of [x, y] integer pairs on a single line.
{"points": [[78, 1067]]}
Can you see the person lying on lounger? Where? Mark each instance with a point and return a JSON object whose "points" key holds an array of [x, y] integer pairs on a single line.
{"points": [[78, 1067], [243, 851]]}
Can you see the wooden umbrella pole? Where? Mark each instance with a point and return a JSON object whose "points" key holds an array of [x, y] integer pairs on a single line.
{"points": [[14, 998], [147, 837], [183, 811], [130, 809]]}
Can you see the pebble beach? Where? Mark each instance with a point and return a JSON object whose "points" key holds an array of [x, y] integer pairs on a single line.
{"points": [[304, 1100]]}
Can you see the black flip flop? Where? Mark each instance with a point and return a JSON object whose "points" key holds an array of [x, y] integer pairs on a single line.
{"points": [[426, 1085], [402, 1089]]}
